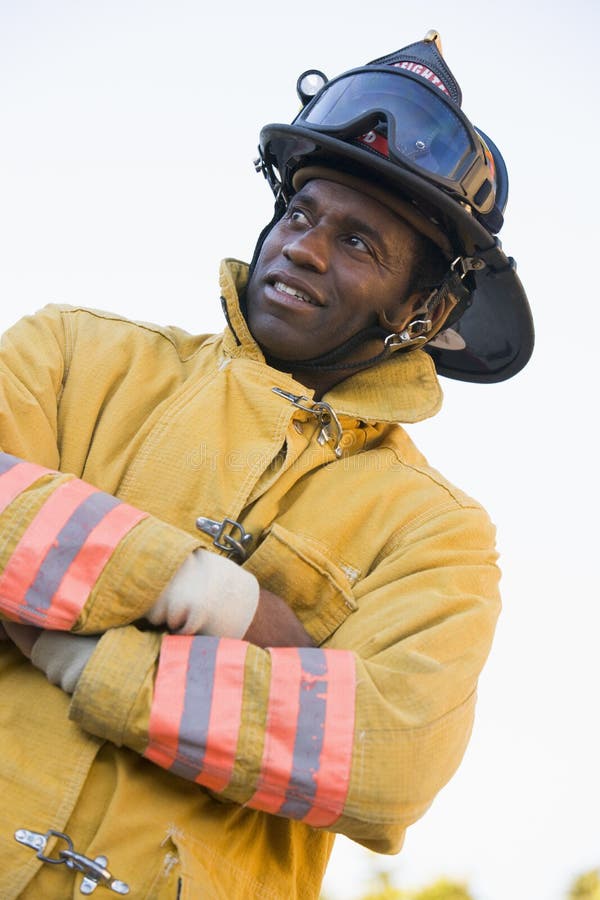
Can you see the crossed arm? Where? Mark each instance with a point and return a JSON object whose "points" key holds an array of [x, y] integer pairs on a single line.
{"points": [[271, 623], [271, 728]]}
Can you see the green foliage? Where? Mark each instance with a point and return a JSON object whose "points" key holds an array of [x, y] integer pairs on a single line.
{"points": [[383, 889], [386, 893], [443, 890], [586, 887]]}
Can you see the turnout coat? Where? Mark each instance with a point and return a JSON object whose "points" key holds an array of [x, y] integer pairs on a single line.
{"points": [[207, 767]]}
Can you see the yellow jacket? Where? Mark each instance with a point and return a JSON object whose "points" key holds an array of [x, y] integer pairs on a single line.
{"points": [[205, 765]]}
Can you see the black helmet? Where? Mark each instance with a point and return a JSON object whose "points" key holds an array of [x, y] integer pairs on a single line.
{"points": [[396, 123]]}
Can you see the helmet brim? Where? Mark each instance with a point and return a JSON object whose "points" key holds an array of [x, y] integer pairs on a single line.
{"points": [[495, 334]]}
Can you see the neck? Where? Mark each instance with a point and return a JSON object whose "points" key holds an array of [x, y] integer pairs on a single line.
{"points": [[322, 378], [321, 382]]}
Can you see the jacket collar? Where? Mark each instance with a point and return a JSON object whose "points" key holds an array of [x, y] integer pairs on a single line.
{"points": [[404, 388]]}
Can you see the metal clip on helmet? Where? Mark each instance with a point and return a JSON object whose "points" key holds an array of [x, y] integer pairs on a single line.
{"points": [[397, 123]]}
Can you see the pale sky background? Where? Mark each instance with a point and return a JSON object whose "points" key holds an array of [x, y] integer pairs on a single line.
{"points": [[127, 134]]}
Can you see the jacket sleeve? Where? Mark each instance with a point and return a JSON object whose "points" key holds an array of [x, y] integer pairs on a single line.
{"points": [[66, 548], [356, 736]]}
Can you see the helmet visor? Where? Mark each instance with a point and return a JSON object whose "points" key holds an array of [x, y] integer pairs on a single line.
{"points": [[423, 130]]}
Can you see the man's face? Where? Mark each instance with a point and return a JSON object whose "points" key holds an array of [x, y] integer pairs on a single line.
{"points": [[328, 269]]}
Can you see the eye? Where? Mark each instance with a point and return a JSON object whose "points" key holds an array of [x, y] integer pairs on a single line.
{"points": [[357, 243], [295, 214]]}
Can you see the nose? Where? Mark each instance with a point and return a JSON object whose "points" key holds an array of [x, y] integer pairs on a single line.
{"points": [[309, 249]]}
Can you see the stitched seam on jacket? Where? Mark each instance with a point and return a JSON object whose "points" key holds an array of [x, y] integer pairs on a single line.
{"points": [[463, 501], [145, 326], [399, 536], [351, 573], [278, 435]]}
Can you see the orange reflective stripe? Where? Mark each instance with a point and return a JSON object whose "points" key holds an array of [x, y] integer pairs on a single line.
{"points": [[62, 553], [28, 557], [87, 566], [196, 708], [168, 700], [16, 477], [280, 736], [309, 735], [225, 715], [333, 775]]}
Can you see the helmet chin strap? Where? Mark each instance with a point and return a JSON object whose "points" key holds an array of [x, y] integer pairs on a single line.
{"points": [[330, 361], [444, 304]]}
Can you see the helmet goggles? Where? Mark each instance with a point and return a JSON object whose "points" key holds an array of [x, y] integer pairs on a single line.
{"points": [[403, 117]]}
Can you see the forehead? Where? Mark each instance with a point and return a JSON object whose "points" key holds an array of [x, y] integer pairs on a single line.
{"points": [[356, 210]]}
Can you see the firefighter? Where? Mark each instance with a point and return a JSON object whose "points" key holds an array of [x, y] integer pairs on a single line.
{"points": [[242, 613]]}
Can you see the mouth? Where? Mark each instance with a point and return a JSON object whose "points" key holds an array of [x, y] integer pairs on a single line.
{"points": [[296, 292]]}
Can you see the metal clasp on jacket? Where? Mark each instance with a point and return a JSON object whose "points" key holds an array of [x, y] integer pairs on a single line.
{"points": [[228, 535], [331, 429], [94, 871]]}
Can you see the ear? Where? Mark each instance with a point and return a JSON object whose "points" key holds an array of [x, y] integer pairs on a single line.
{"points": [[421, 305], [415, 307]]}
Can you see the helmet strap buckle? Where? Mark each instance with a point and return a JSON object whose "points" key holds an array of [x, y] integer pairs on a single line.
{"points": [[465, 264], [413, 334]]}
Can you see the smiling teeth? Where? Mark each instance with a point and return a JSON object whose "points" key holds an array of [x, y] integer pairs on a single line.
{"points": [[300, 295]]}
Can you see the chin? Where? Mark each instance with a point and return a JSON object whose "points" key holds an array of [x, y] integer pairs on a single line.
{"points": [[276, 341]]}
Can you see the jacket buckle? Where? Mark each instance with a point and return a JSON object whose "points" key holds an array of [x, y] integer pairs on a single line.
{"points": [[228, 535], [94, 871], [331, 430]]}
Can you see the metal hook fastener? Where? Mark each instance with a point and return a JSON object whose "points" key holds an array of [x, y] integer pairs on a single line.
{"points": [[223, 536], [94, 871], [331, 428]]}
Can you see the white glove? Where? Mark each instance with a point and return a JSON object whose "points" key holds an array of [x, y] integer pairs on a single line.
{"points": [[209, 594], [63, 656]]}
